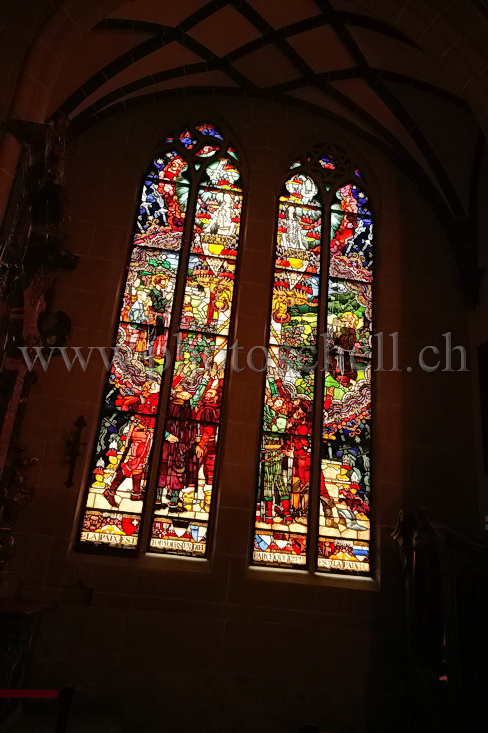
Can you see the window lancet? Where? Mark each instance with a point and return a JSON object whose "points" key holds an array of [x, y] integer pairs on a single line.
{"points": [[156, 447], [313, 499]]}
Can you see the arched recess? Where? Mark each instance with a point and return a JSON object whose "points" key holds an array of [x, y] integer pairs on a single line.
{"points": [[43, 60], [155, 455], [313, 498]]}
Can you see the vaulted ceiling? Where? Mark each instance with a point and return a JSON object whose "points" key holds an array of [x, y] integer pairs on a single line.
{"points": [[403, 75]]}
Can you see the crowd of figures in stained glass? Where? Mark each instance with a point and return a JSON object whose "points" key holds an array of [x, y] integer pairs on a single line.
{"points": [[285, 463], [170, 242], [287, 453], [344, 525], [172, 340]]}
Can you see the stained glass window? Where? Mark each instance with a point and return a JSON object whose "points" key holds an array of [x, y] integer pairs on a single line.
{"points": [[313, 497], [155, 458]]}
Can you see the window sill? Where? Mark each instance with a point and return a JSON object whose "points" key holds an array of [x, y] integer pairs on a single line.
{"points": [[175, 563], [332, 580], [146, 561]]}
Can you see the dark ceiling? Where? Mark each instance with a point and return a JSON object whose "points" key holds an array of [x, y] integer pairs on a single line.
{"points": [[378, 68]]}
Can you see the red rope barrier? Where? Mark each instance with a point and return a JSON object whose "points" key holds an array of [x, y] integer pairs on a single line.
{"points": [[24, 694]]}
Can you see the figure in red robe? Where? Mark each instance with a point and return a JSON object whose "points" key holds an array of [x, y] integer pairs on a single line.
{"points": [[132, 465]]}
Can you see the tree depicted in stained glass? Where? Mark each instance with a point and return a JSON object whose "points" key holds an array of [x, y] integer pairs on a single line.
{"points": [[187, 228]]}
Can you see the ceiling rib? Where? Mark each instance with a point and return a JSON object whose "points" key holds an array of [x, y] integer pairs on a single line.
{"points": [[430, 175]]}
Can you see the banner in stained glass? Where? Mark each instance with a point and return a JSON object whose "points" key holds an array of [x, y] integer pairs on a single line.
{"points": [[179, 536], [344, 556], [111, 529]]}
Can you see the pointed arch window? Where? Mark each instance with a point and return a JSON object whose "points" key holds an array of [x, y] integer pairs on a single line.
{"points": [[156, 448], [313, 498]]}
